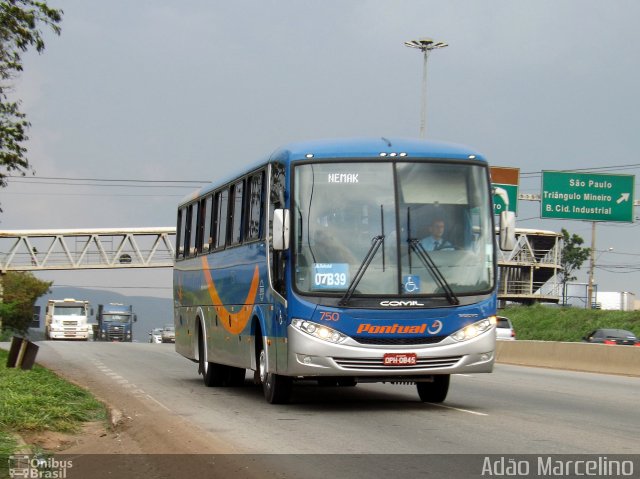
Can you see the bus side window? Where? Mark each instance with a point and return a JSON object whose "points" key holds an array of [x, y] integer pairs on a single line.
{"points": [[253, 226], [220, 225], [179, 234], [235, 219], [207, 233], [193, 240], [187, 231]]}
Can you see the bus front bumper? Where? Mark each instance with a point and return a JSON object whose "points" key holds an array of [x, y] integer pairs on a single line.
{"points": [[312, 357]]}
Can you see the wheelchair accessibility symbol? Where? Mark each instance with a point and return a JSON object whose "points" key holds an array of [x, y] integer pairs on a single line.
{"points": [[411, 283]]}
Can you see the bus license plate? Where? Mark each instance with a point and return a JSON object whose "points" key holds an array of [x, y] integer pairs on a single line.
{"points": [[400, 359]]}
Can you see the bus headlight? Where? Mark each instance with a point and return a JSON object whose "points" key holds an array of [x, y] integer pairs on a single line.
{"points": [[318, 331], [475, 329]]}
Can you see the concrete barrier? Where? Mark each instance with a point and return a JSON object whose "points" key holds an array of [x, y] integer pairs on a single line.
{"points": [[597, 358], [22, 353]]}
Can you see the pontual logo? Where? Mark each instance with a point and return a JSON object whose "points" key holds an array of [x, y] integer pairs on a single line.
{"points": [[395, 329], [400, 303]]}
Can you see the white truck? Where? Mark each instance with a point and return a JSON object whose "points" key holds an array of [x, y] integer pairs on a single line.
{"points": [[68, 319]]}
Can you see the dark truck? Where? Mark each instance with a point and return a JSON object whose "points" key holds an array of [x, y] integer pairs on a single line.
{"points": [[115, 322]]}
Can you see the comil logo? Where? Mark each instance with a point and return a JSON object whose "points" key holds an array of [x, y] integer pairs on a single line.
{"points": [[401, 303]]}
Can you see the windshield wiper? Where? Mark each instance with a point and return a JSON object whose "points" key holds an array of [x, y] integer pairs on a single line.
{"points": [[375, 246], [415, 246]]}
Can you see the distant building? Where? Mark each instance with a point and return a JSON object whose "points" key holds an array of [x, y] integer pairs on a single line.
{"points": [[576, 294], [616, 300]]}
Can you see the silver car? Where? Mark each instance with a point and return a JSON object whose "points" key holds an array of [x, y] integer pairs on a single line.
{"points": [[169, 334], [504, 329], [155, 336]]}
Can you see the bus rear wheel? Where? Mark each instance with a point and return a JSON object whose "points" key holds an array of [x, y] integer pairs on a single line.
{"points": [[435, 391], [276, 388]]}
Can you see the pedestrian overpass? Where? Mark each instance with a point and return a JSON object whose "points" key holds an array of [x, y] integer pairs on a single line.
{"points": [[98, 248]]}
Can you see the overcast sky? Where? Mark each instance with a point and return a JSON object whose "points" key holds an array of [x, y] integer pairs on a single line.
{"points": [[177, 90]]}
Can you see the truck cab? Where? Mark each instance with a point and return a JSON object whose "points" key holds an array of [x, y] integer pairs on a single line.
{"points": [[67, 319], [115, 322]]}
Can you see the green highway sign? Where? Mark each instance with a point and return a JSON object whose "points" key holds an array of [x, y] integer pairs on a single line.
{"points": [[586, 196], [498, 202]]}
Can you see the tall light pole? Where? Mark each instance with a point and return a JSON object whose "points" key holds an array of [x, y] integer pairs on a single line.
{"points": [[425, 45]]}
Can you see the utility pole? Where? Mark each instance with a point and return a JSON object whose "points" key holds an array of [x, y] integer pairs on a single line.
{"points": [[591, 266]]}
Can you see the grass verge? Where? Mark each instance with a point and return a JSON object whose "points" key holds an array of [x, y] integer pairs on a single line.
{"points": [[543, 323], [38, 400]]}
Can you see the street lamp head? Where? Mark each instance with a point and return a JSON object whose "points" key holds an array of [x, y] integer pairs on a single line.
{"points": [[425, 44]]}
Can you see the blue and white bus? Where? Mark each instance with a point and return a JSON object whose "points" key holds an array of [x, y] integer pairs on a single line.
{"points": [[312, 265]]}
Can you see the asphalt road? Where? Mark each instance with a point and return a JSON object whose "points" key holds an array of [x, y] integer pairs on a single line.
{"points": [[515, 410]]}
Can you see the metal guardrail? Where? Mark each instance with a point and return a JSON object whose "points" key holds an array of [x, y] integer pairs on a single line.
{"points": [[100, 248]]}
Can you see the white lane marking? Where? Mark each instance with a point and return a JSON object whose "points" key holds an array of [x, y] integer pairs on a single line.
{"points": [[468, 411], [125, 383], [158, 402]]}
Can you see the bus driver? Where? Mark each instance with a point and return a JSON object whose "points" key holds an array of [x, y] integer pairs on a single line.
{"points": [[435, 241]]}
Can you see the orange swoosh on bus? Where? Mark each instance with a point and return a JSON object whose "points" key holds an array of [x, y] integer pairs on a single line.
{"points": [[232, 322]]}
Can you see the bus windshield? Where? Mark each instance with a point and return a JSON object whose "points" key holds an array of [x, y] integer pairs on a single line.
{"points": [[405, 228]]}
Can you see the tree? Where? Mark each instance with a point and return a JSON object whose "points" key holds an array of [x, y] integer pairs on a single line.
{"points": [[21, 291], [20, 29], [572, 256]]}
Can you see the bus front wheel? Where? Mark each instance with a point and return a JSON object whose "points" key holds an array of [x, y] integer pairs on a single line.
{"points": [[435, 391], [276, 388]]}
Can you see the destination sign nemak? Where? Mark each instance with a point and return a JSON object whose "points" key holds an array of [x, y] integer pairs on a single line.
{"points": [[586, 196]]}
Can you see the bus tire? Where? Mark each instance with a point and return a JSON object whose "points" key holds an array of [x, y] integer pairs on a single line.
{"points": [[276, 388], [435, 391], [213, 374], [235, 376]]}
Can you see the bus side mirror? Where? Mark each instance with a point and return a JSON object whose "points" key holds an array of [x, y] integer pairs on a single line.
{"points": [[135, 318], [507, 230], [280, 230]]}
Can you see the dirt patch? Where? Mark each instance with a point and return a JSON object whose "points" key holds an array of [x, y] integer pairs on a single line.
{"points": [[136, 425], [51, 441]]}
